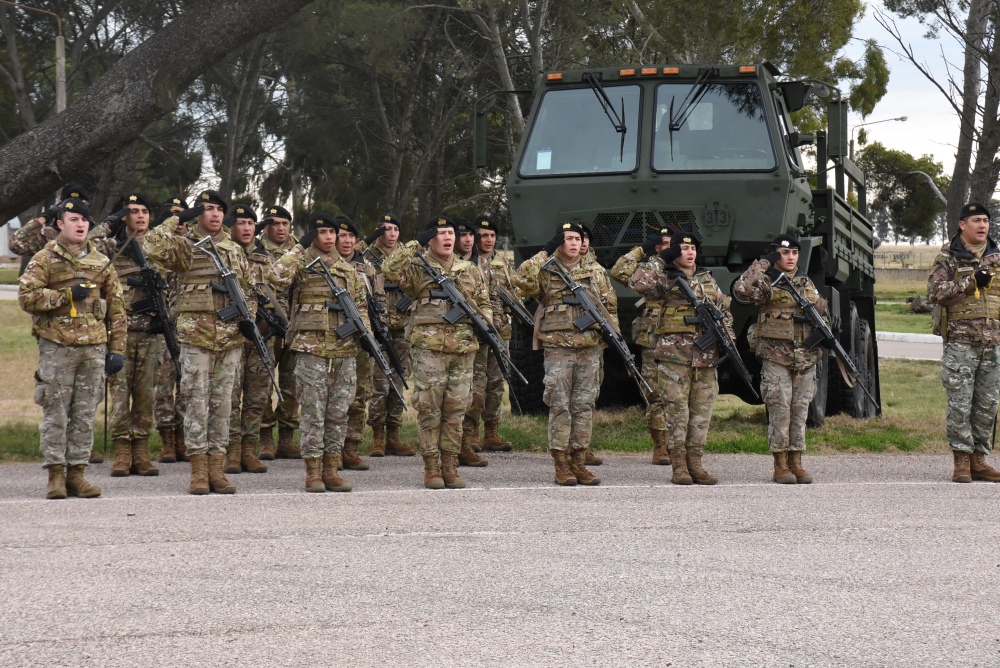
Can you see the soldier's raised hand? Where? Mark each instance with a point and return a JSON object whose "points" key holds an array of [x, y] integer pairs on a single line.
{"points": [[307, 239], [379, 231], [668, 255], [425, 237], [554, 243], [190, 214], [983, 277]]}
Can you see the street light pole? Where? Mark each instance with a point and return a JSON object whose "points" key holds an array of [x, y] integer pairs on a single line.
{"points": [[850, 149], [60, 53]]}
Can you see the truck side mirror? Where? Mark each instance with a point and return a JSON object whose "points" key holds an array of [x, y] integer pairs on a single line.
{"points": [[796, 139]]}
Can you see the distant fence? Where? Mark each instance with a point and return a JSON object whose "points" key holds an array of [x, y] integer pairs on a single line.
{"points": [[901, 274]]}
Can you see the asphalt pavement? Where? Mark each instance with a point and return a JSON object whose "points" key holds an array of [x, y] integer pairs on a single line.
{"points": [[882, 562]]}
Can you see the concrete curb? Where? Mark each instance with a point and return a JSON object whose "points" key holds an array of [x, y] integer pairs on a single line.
{"points": [[907, 338]]}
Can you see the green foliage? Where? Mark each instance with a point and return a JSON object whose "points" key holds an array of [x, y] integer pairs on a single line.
{"points": [[911, 205]]}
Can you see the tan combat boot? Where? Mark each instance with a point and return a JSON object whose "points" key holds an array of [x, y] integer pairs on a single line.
{"points": [[248, 460], [661, 455], [314, 474], [122, 464], [331, 480], [96, 457], [378, 441], [286, 448], [199, 475], [217, 480], [233, 451], [266, 444], [142, 463], [564, 476], [963, 472], [168, 455], [394, 446], [980, 470], [432, 472], [491, 439], [179, 444], [795, 466], [350, 458], [577, 459], [678, 459], [781, 473], [449, 471], [77, 485], [590, 459], [698, 474], [57, 482], [467, 455]]}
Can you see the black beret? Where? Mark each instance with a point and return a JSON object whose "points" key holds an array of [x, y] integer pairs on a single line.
{"points": [[346, 224], [974, 209], [666, 232], [786, 241], [176, 201], [572, 226], [388, 219], [320, 219], [276, 212], [136, 198], [485, 223], [212, 197], [75, 205], [586, 230], [239, 210], [679, 238], [463, 225], [75, 191], [440, 221]]}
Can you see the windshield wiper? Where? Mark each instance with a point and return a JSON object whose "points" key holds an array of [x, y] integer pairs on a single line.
{"points": [[689, 102], [616, 120]]}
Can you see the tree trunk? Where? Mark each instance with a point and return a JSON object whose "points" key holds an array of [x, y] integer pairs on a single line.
{"points": [[140, 88], [983, 180]]}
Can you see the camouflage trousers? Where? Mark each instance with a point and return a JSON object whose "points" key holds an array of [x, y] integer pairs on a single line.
{"points": [[133, 389], [168, 407], [326, 388], [688, 394], [251, 393], [68, 385], [207, 385], [385, 408], [287, 414], [365, 368], [656, 417], [971, 377], [486, 399], [786, 393], [442, 383], [572, 381]]}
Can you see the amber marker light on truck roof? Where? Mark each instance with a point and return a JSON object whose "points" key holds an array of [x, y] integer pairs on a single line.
{"points": [[671, 70], [554, 76], [630, 72], [646, 71], [748, 69]]}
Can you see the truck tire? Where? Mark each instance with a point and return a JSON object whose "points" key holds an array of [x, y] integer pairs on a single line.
{"points": [[531, 363], [817, 407], [866, 369]]}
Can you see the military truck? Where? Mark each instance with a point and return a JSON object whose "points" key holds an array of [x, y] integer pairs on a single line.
{"points": [[704, 149]]}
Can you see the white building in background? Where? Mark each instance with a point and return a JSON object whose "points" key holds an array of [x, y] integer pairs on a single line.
{"points": [[5, 232]]}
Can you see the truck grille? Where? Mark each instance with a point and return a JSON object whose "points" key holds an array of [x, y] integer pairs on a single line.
{"points": [[622, 228]]}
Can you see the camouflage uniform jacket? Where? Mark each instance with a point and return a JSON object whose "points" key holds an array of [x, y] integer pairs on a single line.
{"points": [[386, 291], [674, 338], [275, 252], [260, 263], [777, 336], [499, 273], [31, 237], [128, 273], [313, 323], [973, 313], [45, 292], [643, 324], [427, 327], [198, 321], [553, 318]]}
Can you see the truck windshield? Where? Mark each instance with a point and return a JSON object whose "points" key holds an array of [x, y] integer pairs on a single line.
{"points": [[726, 131], [572, 134]]}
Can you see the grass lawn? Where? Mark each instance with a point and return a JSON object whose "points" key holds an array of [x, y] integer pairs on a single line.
{"points": [[899, 318], [8, 276]]}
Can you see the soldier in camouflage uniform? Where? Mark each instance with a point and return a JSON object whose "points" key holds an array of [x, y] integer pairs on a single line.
{"points": [[589, 256], [788, 367], [961, 285], [210, 348], [168, 406], [32, 237], [385, 409], [276, 239], [252, 384], [78, 317], [442, 353], [686, 377], [325, 365], [465, 248], [642, 330], [572, 357]]}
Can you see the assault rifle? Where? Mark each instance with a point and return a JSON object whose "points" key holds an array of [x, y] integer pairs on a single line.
{"points": [[153, 285], [238, 307], [823, 334], [712, 319], [515, 306], [594, 315], [461, 308], [355, 324], [380, 330], [404, 301], [276, 323]]}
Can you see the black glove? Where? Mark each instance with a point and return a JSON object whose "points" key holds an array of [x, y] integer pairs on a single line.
{"points": [[50, 214], [80, 292], [307, 239], [190, 214], [828, 343], [113, 363], [554, 243], [425, 237], [772, 257], [116, 222], [983, 277], [668, 255], [246, 329], [379, 231], [649, 248]]}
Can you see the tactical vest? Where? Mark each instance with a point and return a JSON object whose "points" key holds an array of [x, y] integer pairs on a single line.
{"points": [[557, 316], [675, 308], [132, 290], [194, 289], [983, 303], [778, 319], [65, 273], [310, 296], [428, 310]]}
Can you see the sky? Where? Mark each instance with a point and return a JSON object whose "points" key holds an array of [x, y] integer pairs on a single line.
{"points": [[931, 126]]}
